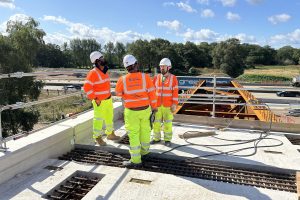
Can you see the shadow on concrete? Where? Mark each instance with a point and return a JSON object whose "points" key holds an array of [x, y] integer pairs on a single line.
{"points": [[26, 179], [247, 192], [115, 186]]}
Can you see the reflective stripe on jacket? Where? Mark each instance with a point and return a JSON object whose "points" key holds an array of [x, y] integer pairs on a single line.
{"points": [[167, 92], [97, 85], [137, 90]]}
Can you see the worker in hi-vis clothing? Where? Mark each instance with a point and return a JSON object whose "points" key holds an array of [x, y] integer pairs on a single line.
{"points": [[166, 86], [138, 94], [97, 89]]}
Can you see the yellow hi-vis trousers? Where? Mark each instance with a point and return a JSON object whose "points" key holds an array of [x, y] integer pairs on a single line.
{"points": [[137, 124], [103, 114], [165, 116]]}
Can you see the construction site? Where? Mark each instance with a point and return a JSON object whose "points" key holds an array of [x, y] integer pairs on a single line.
{"points": [[228, 143]]}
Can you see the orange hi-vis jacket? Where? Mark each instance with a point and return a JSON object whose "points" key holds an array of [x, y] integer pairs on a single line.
{"points": [[97, 85], [167, 91], [137, 90]]}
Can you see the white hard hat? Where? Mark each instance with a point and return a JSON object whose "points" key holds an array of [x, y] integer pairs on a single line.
{"points": [[129, 60], [95, 55], [165, 61]]}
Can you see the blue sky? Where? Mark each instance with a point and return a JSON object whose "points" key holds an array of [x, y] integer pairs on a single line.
{"points": [[264, 22]]}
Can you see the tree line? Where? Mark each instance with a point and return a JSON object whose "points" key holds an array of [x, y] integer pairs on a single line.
{"points": [[23, 48]]}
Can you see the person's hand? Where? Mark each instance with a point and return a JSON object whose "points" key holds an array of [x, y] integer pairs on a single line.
{"points": [[154, 110], [98, 102], [173, 107]]}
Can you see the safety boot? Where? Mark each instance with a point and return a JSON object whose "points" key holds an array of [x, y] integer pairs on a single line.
{"points": [[167, 143], [113, 136], [100, 141], [129, 164], [155, 141]]}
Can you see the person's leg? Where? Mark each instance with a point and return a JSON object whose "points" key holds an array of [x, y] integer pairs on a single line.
{"points": [[157, 125], [132, 125], [168, 118], [109, 120], [98, 123], [145, 130]]}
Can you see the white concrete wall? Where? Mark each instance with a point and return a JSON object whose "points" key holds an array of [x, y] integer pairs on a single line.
{"points": [[50, 142]]}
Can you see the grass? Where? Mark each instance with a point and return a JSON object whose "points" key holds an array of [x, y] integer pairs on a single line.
{"points": [[262, 78], [53, 111], [288, 71]]}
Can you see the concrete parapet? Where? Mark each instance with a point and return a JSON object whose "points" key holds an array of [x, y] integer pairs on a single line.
{"points": [[50, 142]]}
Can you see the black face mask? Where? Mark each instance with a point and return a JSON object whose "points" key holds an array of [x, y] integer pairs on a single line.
{"points": [[105, 69], [102, 63]]}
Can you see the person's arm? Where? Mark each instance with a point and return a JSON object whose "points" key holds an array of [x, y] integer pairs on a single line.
{"points": [[119, 87], [88, 86], [175, 94], [175, 91], [151, 92]]}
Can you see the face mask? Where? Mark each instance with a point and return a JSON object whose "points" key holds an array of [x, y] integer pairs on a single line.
{"points": [[105, 69], [103, 62]]}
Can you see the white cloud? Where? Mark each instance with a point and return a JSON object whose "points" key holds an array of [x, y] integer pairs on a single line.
{"points": [[275, 19], [228, 3], [204, 2], [82, 31], [207, 35], [244, 38], [255, 1], [203, 35], [58, 19], [7, 4], [207, 13], [172, 25], [292, 38], [16, 17], [232, 16], [183, 6]]}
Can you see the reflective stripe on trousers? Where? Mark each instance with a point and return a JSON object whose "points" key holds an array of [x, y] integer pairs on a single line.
{"points": [[103, 117], [165, 116], [137, 125]]}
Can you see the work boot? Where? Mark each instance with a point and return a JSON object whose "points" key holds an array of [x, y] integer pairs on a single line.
{"points": [[167, 143], [100, 141], [155, 141], [113, 136], [129, 164]]}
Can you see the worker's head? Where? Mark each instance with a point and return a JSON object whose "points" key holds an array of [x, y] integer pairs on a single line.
{"points": [[98, 60], [165, 65], [130, 63]]}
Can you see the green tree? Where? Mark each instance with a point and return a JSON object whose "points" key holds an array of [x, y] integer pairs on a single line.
{"points": [[227, 57], [109, 53], [81, 49], [19, 48], [119, 51], [285, 55]]}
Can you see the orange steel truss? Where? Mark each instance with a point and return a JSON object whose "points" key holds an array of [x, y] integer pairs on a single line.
{"points": [[250, 112]]}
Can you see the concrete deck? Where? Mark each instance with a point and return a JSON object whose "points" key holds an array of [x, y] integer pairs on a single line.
{"points": [[23, 176], [35, 183]]}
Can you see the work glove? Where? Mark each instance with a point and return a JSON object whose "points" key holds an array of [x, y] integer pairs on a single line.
{"points": [[173, 108]]}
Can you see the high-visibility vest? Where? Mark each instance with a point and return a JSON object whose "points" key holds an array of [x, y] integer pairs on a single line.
{"points": [[167, 91], [97, 85], [137, 90]]}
